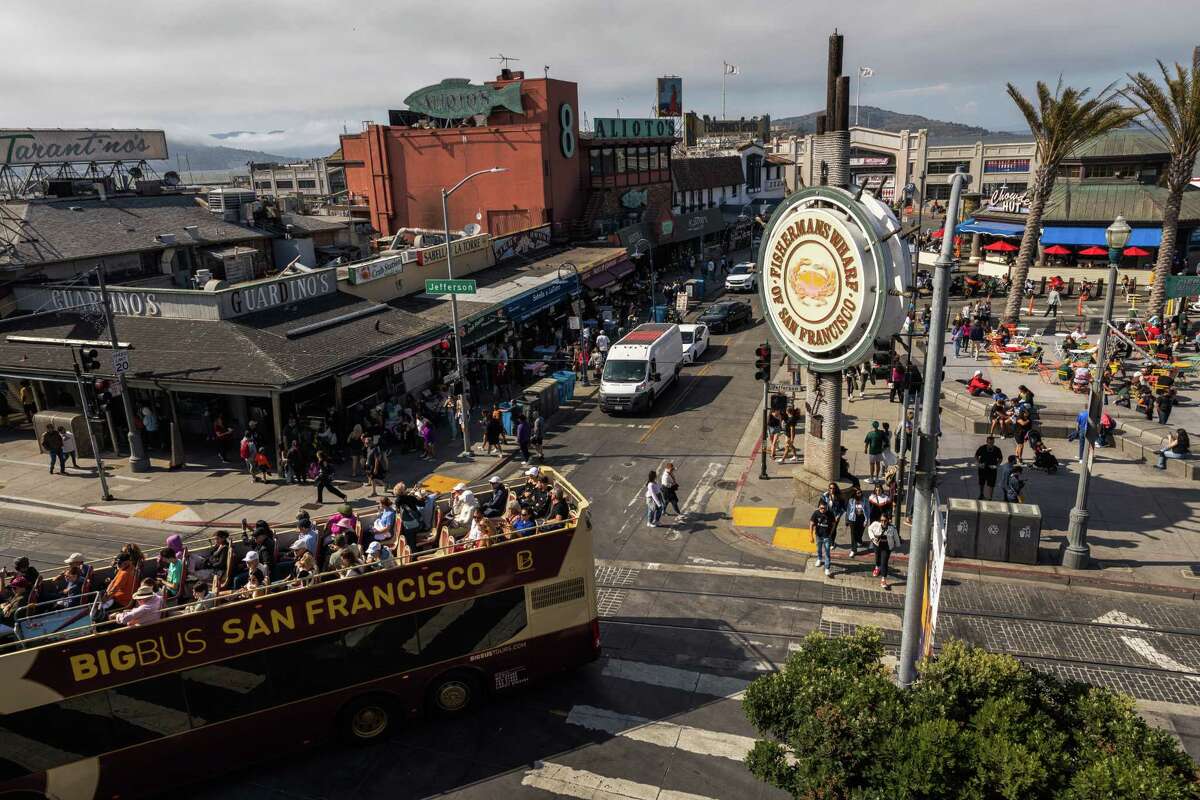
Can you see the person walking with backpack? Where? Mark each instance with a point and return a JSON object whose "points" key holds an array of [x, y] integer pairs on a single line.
{"points": [[52, 441], [670, 488], [69, 446]]}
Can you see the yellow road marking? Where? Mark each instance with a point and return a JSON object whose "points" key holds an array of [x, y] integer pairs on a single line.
{"points": [[678, 399], [440, 484], [795, 539], [160, 511], [754, 516]]}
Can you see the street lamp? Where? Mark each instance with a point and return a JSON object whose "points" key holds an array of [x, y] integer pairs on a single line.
{"points": [[637, 251], [458, 359], [1078, 553]]}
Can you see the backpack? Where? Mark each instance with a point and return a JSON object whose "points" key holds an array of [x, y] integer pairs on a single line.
{"points": [[244, 452]]}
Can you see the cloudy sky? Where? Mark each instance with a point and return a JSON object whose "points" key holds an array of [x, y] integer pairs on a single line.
{"points": [[306, 69]]}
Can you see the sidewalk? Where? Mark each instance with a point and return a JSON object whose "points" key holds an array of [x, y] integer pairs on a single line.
{"points": [[1140, 540], [208, 493]]}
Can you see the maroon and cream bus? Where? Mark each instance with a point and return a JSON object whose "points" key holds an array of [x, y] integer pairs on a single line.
{"points": [[346, 656]]}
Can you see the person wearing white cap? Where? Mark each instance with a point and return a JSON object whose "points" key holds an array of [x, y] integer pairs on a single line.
{"points": [[148, 608], [498, 501], [462, 505], [256, 574], [379, 554], [74, 581], [305, 566]]}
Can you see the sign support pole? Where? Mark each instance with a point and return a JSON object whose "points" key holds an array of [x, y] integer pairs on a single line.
{"points": [[926, 476], [458, 359], [87, 416], [762, 475], [138, 462]]}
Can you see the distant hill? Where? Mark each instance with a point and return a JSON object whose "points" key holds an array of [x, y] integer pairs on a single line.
{"points": [[940, 132], [205, 157]]}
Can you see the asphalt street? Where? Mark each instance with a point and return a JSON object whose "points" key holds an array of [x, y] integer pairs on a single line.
{"points": [[688, 619]]}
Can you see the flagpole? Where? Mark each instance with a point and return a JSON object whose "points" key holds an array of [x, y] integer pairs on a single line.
{"points": [[724, 72], [858, 103]]}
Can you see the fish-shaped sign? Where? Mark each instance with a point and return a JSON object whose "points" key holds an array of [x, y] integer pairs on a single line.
{"points": [[457, 98]]}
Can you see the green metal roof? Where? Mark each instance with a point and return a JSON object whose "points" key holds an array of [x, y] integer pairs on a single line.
{"points": [[1098, 201], [1122, 144]]}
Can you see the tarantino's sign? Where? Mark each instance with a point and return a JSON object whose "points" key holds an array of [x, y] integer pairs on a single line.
{"points": [[814, 285], [30, 146]]}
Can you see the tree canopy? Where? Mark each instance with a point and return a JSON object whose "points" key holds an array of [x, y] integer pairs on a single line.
{"points": [[975, 725]]}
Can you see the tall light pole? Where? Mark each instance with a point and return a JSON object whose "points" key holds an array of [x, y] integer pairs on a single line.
{"points": [[925, 452], [138, 461], [637, 251], [458, 359], [1078, 553]]}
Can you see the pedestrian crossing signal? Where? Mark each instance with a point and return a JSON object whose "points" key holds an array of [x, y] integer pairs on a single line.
{"points": [[762, 363]]}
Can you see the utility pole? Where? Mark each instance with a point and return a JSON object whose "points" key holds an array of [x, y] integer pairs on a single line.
{"points": [[926, 452], [87, 418], [138, 462]]}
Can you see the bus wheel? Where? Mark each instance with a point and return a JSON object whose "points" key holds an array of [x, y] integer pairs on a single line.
{"points": [[365, 719], [453, 693]]}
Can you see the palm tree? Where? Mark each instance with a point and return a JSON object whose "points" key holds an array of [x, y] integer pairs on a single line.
{"points": [[1174, 112], [1061, 121]]}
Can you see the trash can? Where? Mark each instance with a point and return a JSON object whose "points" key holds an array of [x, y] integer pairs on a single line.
{"points": [[506, 418], [991, 542], [1024, 533], [566, 385], [962, 525], [659, 313]]}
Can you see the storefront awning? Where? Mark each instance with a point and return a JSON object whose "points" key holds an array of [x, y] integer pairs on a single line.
{"points": [[1140, 237], [387, 362], [1007, 230], [599, 279], [534, 301]]}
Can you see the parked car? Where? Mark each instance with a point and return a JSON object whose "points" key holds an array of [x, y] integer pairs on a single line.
{"points": [[695, 342], [741, 278], [727, 315]]}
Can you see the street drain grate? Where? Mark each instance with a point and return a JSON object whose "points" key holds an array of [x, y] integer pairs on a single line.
{"points": [[723, 484], [608, 601]]}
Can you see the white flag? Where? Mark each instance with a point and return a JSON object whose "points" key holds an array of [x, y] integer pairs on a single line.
{"points": [[866, 72], [730, 69]]}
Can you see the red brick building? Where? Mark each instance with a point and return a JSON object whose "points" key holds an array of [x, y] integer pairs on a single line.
{"points": [[400, 170]]}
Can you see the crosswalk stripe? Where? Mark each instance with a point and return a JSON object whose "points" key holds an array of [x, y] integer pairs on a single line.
{"points": [[675, 678], [664, 734], [580, 783]]}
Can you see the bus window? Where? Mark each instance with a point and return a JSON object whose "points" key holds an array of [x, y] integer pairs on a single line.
{"points": [[54, 734], [148, 709], [383, 648], [227, 689], [460, 628], [309, 668]]}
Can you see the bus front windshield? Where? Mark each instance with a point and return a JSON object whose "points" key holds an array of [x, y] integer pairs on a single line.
{"points": [[624, 371]]}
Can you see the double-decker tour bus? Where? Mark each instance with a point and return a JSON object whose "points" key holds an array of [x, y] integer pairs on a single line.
{"points": [[79, 716]]}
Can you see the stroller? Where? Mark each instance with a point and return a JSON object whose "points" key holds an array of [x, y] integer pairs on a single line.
{"points": [[1043, 459]]}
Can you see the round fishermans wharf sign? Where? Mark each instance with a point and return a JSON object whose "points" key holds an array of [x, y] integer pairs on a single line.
{"points": [[830, 283]]}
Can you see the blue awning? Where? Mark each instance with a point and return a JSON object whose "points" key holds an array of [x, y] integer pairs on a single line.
{"points": [[1007, 230], [1140, 237]]}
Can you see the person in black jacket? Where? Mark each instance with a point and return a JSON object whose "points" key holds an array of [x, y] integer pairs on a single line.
{"points": [[498, 502], [325, 478]]}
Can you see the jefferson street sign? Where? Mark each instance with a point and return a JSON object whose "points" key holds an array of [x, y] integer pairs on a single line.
{"points": [[449, 286]]}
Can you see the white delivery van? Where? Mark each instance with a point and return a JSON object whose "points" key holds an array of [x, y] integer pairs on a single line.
{"points": [[640, 367]]}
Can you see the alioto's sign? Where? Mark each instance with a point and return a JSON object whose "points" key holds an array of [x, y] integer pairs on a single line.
{"points": [[826, 275]]}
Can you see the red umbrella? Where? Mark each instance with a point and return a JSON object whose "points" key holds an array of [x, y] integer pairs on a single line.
{"points": [[1057, 250], [939, 233], [1136, 251], [1094, 251], [1001, 247]]}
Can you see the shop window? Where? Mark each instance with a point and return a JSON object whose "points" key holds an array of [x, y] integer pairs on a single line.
{"points": [[709, 198], [1069, 170], [937, 191], [947, 167], [643, 159], [284, 184], [595, 163], [753, 172], [610, 162], [307, 183], [622, 163]]}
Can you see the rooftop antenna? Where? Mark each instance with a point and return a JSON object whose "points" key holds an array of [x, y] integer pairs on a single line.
{"points": [[546, 69], [504, 60]]}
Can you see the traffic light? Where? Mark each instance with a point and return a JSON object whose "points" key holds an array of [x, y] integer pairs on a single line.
{"points": [[89, 359], [762, 362], [103, 395]]}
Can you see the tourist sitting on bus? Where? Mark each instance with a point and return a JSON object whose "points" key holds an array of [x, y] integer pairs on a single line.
{"points": [[979, 386], [262, 541], [174, 572], [537, 497], [379, 556], [383, 529], [304, 567], [13, 598], [462, 507], [148, 608], [306, 534], [559, 513], [119, 592], [203, 598], [401, 497], [525, 524], [216, 562], [352, 563], [477, 534], [74, 582], [496, 504], [255, 572]]}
